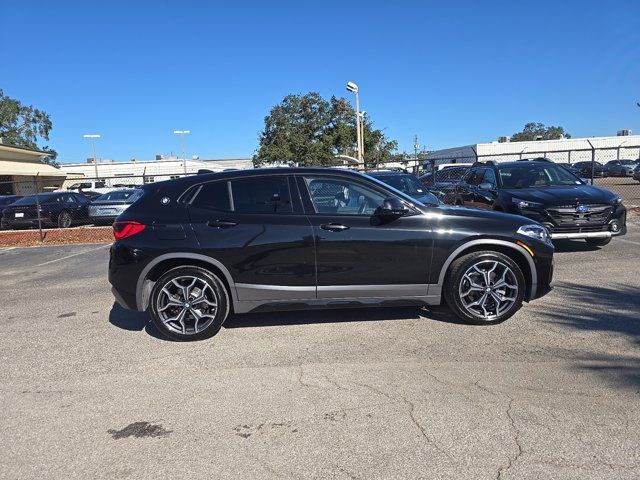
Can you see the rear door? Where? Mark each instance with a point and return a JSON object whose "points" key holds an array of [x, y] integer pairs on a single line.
{"points": [[255, 226]]}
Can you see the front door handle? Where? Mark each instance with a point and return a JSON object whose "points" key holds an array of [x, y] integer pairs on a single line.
{"points": [[221, 223], [334, 227]]}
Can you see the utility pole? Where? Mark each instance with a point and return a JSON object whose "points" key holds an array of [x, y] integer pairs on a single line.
{"points": [[181, 134], [92, 138]]}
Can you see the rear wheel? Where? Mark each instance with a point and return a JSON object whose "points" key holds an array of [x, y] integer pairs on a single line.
{"points": [[598, 242], [484, 287], [64, 219], [189, 303]]}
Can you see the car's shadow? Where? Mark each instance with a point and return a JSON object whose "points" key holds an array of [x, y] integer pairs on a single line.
{"points": [[133, 321], [138, 321]]}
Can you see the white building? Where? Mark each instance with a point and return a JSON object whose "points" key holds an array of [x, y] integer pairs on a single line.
{"points": [[566, 150], [136, 172]]}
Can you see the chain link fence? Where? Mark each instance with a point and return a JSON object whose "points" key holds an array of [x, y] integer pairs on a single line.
{"points": [[41, 207]]}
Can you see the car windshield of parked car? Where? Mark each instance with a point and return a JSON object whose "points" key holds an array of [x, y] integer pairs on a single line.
{"points": [[128, 196], [405, 183], [42, 198], [535, 175], [627, 162]]}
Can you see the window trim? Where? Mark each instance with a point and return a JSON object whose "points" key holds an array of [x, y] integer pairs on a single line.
{"points": [[310, 208]]}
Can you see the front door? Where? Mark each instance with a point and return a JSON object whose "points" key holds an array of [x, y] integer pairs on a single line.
{"points": [[256, 228], [357, 253]]}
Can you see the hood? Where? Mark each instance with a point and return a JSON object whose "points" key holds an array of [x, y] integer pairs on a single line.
{"points": [[563, 195], [488, 215]]}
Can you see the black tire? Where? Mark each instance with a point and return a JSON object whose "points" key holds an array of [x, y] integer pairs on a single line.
{"points": [[64, 219], [456, 276], [598, 242], [217, 293]]}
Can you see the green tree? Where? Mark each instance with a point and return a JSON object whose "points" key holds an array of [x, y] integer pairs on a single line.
{"points": [[22, 126], [536, 131], [308, 130]]}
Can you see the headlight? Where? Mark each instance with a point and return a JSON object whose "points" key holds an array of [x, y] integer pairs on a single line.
{"points": [[617, 201], [521, 204], [536, 231]]}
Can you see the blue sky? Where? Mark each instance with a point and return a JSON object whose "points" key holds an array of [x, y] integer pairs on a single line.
{"points": [[451, 72]]}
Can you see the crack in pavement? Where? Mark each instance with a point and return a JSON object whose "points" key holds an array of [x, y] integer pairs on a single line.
{"points": [[411, 412], [512, 423]]}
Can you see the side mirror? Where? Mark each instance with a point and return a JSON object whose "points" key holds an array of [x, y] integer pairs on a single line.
{"points": [[392, 207], [486, 186]]}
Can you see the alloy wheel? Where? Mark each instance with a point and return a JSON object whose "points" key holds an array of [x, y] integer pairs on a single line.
{"points": [[488, 289], [187, 305]]}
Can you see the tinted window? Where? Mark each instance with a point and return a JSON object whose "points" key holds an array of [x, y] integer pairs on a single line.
{"points": [[267, 194], [120, 195], [536, 175], [474, 177], [343, 197], [489, 176], [213, 195]]}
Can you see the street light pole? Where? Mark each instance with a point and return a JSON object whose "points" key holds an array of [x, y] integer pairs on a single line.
{"points": [[352, 87], [92, 138], [181, 134]]}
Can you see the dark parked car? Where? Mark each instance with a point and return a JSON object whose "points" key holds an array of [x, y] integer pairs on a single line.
{"points": [[620, 168], [107, 207], [584, 169], [546, 193], [636, 173], [193, 249], [58, 209], [8, 200], [443, 184], [406, 183]]}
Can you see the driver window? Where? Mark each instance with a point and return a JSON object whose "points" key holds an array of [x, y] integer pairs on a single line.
{"points": [[342, 197], [489, 177]]}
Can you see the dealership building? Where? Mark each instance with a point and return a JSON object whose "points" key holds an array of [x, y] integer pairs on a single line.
{"points": [[564, 150], [22, 171], [135, 172]]}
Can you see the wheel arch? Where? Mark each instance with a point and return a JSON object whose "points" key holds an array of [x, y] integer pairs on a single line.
{"points": [[159, 265], [513, 251]]}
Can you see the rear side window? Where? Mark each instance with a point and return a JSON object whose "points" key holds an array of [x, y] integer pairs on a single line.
{"points": [[268, 194], [214, 195]]}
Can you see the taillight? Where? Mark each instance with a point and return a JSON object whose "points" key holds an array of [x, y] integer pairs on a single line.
{"points": [[126, 229]]}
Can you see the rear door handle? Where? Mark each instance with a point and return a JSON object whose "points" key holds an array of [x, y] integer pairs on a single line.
{"points": [[334, 227], [221, 223]]}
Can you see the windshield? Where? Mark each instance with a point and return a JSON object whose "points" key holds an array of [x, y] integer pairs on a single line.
{"points": [[43, 198], [536, 175], [120, 196], [627, 162], [405, 183]]}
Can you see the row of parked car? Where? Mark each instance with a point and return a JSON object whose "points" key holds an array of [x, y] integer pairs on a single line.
{"points": [[64, 209], [539, 189]]}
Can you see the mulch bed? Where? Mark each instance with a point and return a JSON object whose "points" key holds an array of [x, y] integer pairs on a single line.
{"points": [[56, 236]]}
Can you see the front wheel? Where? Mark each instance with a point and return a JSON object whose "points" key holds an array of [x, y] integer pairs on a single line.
{"points": [[484, 287], [189, 303], [64, 219], [598, 242]]}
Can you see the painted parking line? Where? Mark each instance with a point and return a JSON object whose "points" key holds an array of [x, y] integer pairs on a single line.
{"points": [[69, 256], [628, 241]]}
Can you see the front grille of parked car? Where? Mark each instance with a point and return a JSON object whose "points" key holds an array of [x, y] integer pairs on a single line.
{"points": [[580, 229], [566, 215]]}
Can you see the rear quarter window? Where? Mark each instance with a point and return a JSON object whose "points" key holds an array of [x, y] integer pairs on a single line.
{"points": [[214, 195]]}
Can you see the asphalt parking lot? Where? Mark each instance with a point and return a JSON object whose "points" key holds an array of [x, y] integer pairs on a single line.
{"points": [[88, 390]]}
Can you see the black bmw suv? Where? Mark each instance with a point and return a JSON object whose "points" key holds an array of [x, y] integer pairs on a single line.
{"points": [[193, 249], [547, 193]]}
